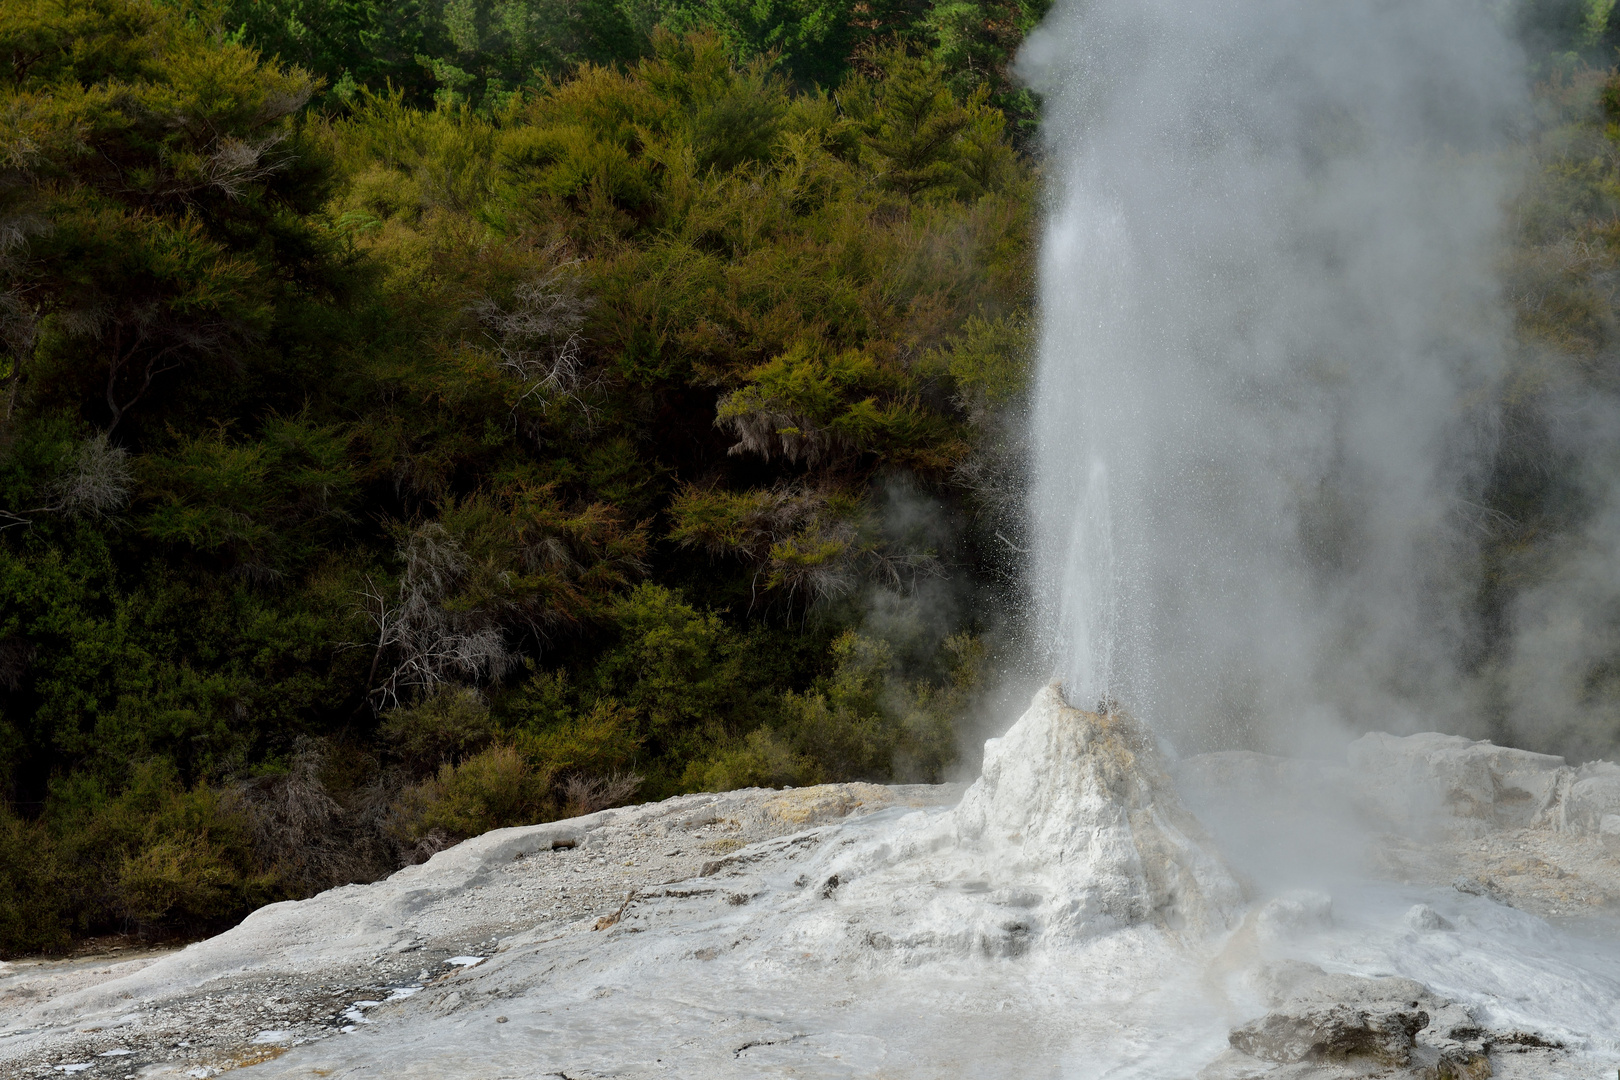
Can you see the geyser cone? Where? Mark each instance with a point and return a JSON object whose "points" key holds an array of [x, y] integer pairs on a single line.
{"points": [[1082, 802]]}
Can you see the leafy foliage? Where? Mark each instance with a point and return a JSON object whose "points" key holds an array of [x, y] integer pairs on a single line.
{"points": [[863, 721], [149, 197], [155, 855], [377, 476], [483, 53]]}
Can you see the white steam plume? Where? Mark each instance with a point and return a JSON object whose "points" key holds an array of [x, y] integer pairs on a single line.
{"points": [[1271, 331]]}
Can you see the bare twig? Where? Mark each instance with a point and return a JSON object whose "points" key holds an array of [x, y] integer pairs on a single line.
{"points": [[428, 644]]}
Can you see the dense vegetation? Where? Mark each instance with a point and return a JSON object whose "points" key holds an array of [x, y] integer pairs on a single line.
{"points": [[483, 52], [380, 471]]}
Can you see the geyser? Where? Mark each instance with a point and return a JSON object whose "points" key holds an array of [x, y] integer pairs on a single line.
{"points": [[1269, 327], [1065, 918], [1074, 832], [1078, 802]]}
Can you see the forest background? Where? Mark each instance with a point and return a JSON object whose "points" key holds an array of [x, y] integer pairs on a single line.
{"points": [[417, 418]]}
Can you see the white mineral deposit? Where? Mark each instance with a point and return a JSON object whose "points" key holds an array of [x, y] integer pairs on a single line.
{"points": [[1066, 916]]}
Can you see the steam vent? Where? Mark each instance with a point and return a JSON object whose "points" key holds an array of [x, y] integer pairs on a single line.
{"points": [[1079, 803]]}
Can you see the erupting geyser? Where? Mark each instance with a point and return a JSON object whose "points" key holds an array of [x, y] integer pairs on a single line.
{"points": [[1269, 318]]}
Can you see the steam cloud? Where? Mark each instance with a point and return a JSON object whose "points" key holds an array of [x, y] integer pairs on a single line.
{"points": [[1272, 332]]}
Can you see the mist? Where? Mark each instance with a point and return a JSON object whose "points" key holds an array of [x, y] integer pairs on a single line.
{"points": [[1553, 686], [1272, 332]]}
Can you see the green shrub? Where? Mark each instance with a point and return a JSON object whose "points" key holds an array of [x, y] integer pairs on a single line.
{"points": [[866, 721], [679, 670], [601, 742], [154, 858], [447, 727], [566, 767], [160, 856], [36, 898], [490, 790], [171, 879], [764, 758]]}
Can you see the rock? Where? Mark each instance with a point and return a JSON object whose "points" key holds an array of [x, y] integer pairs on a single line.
{"points": [[1477, 887], [1326, 1026], [1424, 919], [1453, 1046], [1334, 1018], [1422, 781], [1338, 1027], [1609, 833], [1332, 1033], [1072, 832], [801, 808], [1294, 913], [1085, 804], [1593, 794]]}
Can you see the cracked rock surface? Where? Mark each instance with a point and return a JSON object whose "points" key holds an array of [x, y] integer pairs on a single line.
{"points": [[360, 956]]}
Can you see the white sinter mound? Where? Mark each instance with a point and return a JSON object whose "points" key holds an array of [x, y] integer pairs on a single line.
{"points": [[1076, 805]]}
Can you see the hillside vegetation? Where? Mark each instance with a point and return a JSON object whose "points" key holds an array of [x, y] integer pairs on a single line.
{"points": [[417, 419], [379, 474]]}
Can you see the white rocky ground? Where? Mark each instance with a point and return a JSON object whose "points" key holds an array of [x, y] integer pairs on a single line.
{"points": [[1433, 908]]}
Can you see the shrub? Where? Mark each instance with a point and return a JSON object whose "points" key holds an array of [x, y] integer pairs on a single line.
{"points": [[447, 727], [867, 721], [303, 835], [588, 794], [600, 742], [680, 670], [164, 857], [36, 900], [490, 790], [175, 879], [764, 758], [155, 858], [555, 766]]}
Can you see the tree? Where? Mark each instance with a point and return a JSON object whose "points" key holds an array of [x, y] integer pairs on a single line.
{"points": [[145, 200]]}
